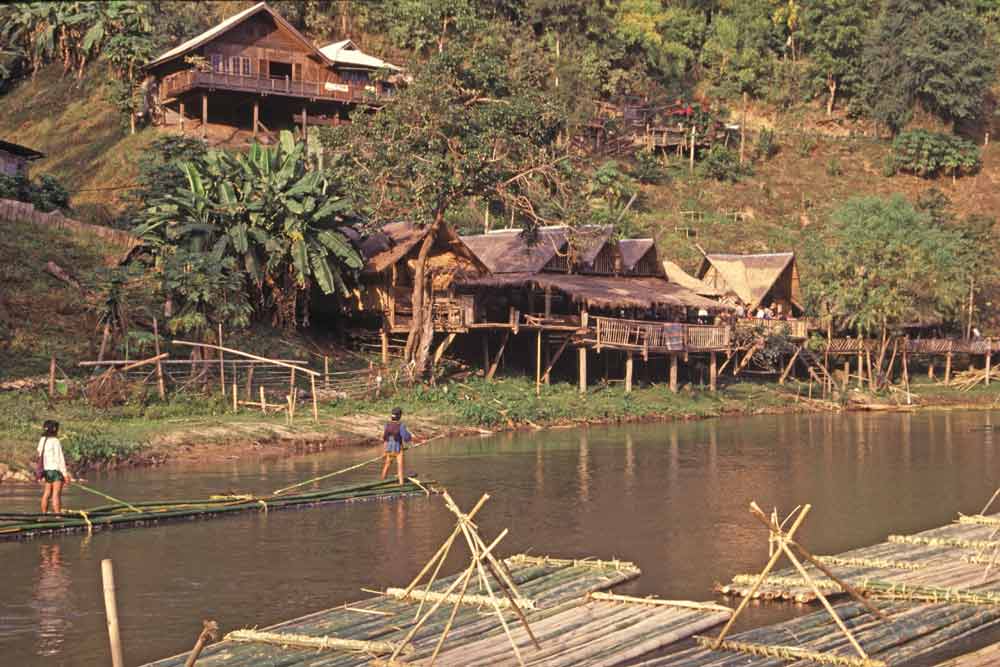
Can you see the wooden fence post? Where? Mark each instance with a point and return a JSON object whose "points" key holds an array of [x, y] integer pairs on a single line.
{"points": [[222, 365], [111, 610], [160, 385], [52, 376], [713, 371]]}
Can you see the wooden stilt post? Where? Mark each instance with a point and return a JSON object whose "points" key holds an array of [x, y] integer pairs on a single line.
{"points": [[930, 369], [486, 352], [180, 124], [204, 115], [674, 362], [256, 118], [236, 395], [111, 610], [250, 382], [906, 365], [384, 337], [326, 372], [312, 381], [548, 302], [628, 372], [989, 359], [713, 371], [160, 385], [496, 361], [847, 372], [947, 364], [538, 363], [263, 400]]}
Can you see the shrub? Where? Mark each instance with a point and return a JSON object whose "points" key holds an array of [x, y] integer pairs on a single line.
{"points": [[927, 154], [46, 193], [766, 146], [721, 164], [833, 167], [648, 168]]}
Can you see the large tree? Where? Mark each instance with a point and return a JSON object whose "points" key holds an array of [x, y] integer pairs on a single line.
{"points": [[932, 52], [834, 38], [475, 123]]}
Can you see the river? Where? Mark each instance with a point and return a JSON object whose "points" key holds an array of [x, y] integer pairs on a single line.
{"points": [[672, 497]]}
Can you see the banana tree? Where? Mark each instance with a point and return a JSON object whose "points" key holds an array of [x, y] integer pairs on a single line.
{"points": [[285, 224]]}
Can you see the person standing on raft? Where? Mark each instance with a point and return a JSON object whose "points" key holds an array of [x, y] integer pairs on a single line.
{"points": [[54, 475], [394, 436]]}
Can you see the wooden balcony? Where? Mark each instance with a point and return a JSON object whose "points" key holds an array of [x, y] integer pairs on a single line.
{"points": [[658, 337], [191, 79]]}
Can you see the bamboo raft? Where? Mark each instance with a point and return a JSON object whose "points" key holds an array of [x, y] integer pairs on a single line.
{"points": [[959, 559], [574, 623], [911, 630], [985, 657], [22, 525]]}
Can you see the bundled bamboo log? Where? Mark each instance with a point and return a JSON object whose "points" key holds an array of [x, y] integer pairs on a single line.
{"points": [[475, 600], [789, 653], [321, 643]]}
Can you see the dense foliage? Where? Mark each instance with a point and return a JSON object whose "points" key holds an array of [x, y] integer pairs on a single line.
{"points": [[266, 220], [45, 192], [928, 154], [886, 264]]}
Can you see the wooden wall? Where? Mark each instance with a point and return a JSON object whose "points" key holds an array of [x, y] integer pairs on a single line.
{"points": [[12, 165]]}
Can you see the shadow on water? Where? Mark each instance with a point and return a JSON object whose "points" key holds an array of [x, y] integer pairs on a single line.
{"points": [[671, 497]]}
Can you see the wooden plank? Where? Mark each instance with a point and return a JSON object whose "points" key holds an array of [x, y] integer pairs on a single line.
{"points": [[555, 358], [496, 361], [628, 372], [791, 362]]}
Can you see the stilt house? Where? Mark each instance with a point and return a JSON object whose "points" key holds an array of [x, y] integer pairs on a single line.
{"points": [[255, 70], [14, 159], [756, 281]]}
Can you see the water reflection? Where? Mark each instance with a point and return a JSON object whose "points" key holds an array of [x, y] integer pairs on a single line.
{"points": [[51, 600], [671, 497]]}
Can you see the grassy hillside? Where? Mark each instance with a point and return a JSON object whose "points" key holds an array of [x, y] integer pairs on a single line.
{"points": [[40, 315], [86, 140]]}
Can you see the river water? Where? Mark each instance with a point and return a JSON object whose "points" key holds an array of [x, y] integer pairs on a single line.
{"points": [[671, 497]]}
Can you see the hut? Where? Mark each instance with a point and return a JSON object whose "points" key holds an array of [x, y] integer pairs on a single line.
{"points": [[639, 257], [756, 281], [14, 159], [390, 256], [255, 69]]}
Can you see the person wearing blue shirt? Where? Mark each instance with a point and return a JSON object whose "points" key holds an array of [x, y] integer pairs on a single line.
{"points": [[394, 436]]}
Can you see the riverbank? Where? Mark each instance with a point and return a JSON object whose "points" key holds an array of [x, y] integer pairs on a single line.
{"points": [[198, 428]]}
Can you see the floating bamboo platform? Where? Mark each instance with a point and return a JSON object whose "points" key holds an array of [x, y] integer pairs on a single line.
{"points": [[911, 630], [16, 525], [949, 562], [574, 623], [986, 657]]}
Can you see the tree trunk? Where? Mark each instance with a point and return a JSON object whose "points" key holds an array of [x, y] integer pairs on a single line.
{"points": [[831, 85], [972, 294], [413, 339]]}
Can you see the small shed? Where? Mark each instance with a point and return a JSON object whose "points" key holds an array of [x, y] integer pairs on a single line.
{"points": [[390, 256], [761, 280], [14, 158]]}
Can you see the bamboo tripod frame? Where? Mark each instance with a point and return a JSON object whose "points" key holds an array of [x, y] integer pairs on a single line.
{"points": [[480, 553], [783, 543]]}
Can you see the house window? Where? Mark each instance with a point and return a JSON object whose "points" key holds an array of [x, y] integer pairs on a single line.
{"points": [[246, 67], [234, 64], [297, 71], [217, 62]]}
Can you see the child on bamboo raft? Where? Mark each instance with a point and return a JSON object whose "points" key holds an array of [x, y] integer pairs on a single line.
{"points": [[394, 435], [52, 472]]}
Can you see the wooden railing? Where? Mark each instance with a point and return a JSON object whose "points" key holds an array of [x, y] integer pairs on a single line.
{"points": [[183, 81], [798, 328], [706, 337], [915, 345], [638, 334]]}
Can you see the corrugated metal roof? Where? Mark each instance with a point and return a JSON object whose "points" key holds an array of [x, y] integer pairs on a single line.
{"points": [[227, 25], [346, 54]]}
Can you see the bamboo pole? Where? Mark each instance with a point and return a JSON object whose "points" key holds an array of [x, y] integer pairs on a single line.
{"points": [[326, 372], [276, 362], [263, 400], [538, 363], [236, 395], [319, 643], [111, 611], [52, 376], [209, 631], [628, 372], [160, 385], [222, 364]]}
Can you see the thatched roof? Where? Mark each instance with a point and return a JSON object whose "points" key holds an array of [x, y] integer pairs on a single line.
{"points": [[605, 291], [589, 241], [676, 274], [633, 250], [750, 277], [398, 239], [508, 250]]}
